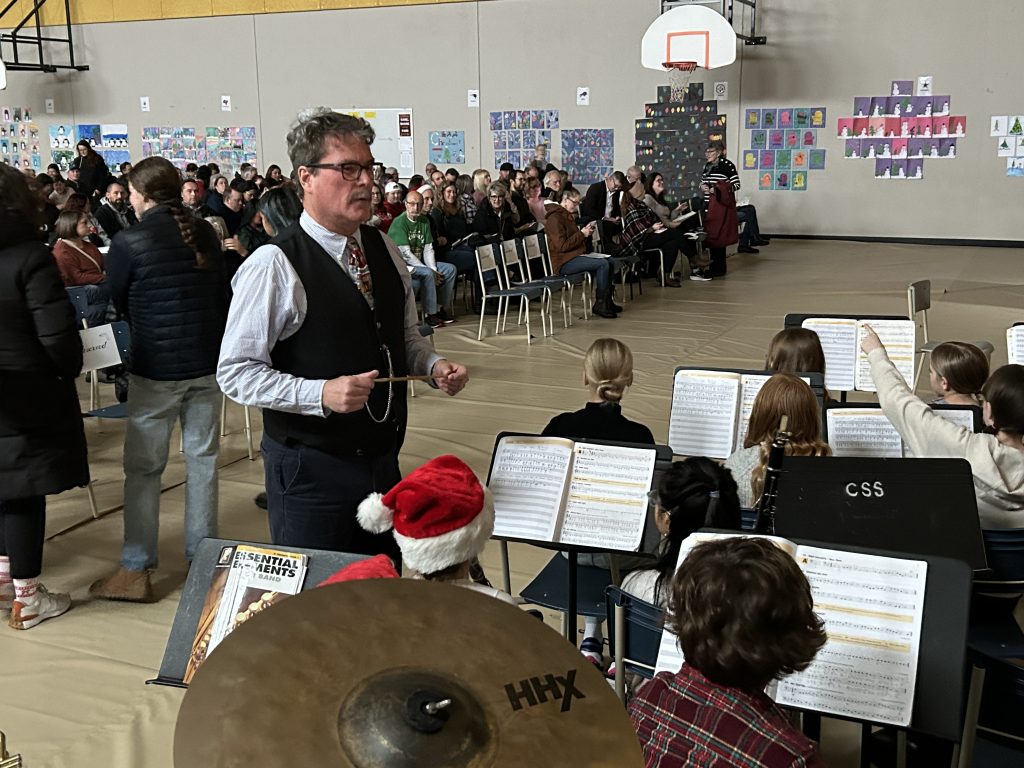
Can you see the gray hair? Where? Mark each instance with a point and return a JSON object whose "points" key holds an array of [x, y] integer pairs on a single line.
{"points": [[497, 188], [551, 175], [308, 137]]}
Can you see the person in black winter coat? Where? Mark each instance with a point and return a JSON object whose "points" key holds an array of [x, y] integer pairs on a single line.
{"points": [[92, 172], [166, 274], [42, 440]]}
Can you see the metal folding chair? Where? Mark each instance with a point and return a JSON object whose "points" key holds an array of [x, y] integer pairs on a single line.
{"points": [[490, 264]]}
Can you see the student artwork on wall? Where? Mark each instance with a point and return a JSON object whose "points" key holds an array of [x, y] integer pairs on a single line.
{"points": [[447, 147], [110, 140], [1008, 132], [62, 145], [179, 144], [515, 135], [783, 139], [230, 146], [19, 139], [672, 135], [588, 154], [899, 131]]}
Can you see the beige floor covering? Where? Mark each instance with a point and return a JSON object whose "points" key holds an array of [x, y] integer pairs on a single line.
{"points": [[71, 690]]}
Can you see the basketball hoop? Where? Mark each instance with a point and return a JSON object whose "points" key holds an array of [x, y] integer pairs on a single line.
{"points": [[679, 74]]}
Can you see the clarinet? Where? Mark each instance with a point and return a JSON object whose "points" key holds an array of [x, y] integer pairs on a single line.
{"points": [[765, 523]]}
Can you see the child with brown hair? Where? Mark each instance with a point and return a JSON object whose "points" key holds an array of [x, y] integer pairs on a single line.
{"points": [[796, 350], [957, 372]]}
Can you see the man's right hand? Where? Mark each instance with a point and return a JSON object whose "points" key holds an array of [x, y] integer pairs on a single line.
{"points": [[346, 394]]}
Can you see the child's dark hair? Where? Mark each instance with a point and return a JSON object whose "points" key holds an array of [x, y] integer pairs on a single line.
{"points": [[962, 365], [1004, 392], [696, 493], [744, 614]]}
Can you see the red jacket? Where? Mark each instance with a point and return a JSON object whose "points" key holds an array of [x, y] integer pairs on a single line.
{"points": [[720, 222]]}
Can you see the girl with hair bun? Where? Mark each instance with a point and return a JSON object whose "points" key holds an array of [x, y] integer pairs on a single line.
{"points": [[607, 373], [957, 373]]}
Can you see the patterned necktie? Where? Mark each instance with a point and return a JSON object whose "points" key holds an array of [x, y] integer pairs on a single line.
{"points": [[359, 269]]}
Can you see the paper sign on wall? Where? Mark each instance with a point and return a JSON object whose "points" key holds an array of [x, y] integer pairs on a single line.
{"points": [[144, 103], [472, 98], [583, 96]]}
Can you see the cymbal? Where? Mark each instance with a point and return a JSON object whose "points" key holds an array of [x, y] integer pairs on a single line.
{"points": [[396, 673]]}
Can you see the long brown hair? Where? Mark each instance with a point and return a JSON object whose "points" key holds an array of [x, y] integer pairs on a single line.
{"points": [[796, 350], [156, 179], [20, 218], [962, 365], [784, 395]]}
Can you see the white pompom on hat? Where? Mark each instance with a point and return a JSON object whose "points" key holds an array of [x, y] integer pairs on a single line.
{"points": [[440, 514]]}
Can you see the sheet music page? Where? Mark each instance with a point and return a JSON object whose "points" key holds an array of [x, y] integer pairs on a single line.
{"points": [[862, 432], [670, 656], [607, 501], [1015, 345], [527, 484], [899, 338], [704, 410], [959, 416], [838, 336], [872, 607]]}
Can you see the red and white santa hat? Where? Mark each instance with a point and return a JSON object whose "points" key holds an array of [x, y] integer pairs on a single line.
{"points": [[440, 514]]}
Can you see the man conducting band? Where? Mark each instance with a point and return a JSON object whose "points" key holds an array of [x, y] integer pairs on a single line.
{"points": [[318, 315]]}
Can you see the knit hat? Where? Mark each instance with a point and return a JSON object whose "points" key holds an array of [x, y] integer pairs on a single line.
{"points": [[440, 515], [377, 567]]}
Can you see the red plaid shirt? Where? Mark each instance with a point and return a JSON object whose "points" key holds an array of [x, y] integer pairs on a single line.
{"points": [[686, 720]]}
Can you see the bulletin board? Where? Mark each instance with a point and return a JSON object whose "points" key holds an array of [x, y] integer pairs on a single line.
{"points": [[393, 126]]}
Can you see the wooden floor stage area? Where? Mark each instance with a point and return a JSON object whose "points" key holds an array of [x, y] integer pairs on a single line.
{"points": [[71, 690]]}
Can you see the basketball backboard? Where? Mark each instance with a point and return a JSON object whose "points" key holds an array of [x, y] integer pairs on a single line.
{"points": [[689, 33]]}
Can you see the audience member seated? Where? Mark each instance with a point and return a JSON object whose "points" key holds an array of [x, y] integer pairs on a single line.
{"points": [[441, 519], [957, 372], [380, 216], [126, 167], [81, 264], [114, 214], [567, 247], [80, 204], [61, 193], [782, 395], [642, 230], [692, 494], [215, 196], [251, 235], [601, 203], [552, 186], [53, 171], [494, 220], [607, 374], [231, 209], [997, 460], [415, 181], [535, 201], [191, 199], [481, 181], [274, 177], [394, 195], [750, 236], [464, 184], [744, 616], [635, 183], [432, 281], [451, 175], [42, 187], [673, 218], [796, 350], [280, 207], [526, 221], [540, 159]]}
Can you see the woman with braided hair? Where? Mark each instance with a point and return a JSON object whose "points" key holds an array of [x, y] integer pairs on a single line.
{"points": [[167, 276]]}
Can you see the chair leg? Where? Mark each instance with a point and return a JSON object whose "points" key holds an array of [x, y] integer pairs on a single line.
{"points": [[523, 305], [223, 415], [92, 501], [917, 373], [483, 311], [248, 433]]}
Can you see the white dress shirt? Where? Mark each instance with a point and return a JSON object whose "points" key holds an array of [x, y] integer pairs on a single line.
{"points": [[269, 305]]}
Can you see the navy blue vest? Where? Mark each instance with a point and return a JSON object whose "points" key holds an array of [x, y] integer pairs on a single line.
{"points": [[342, 336]]}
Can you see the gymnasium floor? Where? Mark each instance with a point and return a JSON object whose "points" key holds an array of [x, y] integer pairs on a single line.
{"points": [[72, 692]]}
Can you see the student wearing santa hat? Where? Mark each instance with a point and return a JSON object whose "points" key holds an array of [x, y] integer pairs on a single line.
{"points": [[441, 518]]}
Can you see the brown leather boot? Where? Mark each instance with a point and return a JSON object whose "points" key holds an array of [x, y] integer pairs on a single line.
{"points": [[123, 584]]}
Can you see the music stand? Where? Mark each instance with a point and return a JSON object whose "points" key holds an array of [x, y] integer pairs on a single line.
{"points": [[921, 506], [663, 457], [186, 619]]}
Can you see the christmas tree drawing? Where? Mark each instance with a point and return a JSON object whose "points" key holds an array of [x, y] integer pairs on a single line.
{"points": [[1016, 129]]}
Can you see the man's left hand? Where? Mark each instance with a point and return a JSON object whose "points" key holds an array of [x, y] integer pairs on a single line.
{"points": [[438, 278], [450, 377]]}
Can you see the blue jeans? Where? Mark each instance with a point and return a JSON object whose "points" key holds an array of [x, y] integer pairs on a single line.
{"points": [[748, 213], [153, 407], [431, 294], [98, 296], [599, 269]]}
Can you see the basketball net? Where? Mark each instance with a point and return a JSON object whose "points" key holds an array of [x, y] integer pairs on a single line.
{"points": [[679, 74]]}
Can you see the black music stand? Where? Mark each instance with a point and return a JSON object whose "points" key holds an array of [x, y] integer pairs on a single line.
{"points": [[322, 564], [663, 457]]}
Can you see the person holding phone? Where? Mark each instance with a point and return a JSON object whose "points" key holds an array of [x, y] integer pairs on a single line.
{"points": [[567, 245]]}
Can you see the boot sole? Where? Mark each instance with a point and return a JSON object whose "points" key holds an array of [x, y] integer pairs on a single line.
{"points": [[35, 621]]}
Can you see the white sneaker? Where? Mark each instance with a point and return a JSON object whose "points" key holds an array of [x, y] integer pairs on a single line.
{"points": [[6, 598], [34, 610], [700, 276]]}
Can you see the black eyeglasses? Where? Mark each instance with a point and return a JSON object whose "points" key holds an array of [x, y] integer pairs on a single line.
{"points": [[349, 171]]}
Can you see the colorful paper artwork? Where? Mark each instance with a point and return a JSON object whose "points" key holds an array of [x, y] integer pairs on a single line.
{"points": [[230, 146], [783, 139], [588, 154], [179, 144], [900, 130], [20, 145], [447, 147], [515, 134], [62, 145], [1008, 131], [110, 140]]}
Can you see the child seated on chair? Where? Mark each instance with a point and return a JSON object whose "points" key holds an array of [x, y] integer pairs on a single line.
{"points": [[796, 350], [442, 519], [957, 372], [743, 613]]}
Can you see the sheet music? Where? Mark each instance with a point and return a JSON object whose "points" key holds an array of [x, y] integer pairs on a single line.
{"points": [[899, 339], [704, 410], [527, 483], [959, 416], [862, 432], [751, 385], [670, 656], [838, 338], [607, 501], [872, 607], [1015, 345]]}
